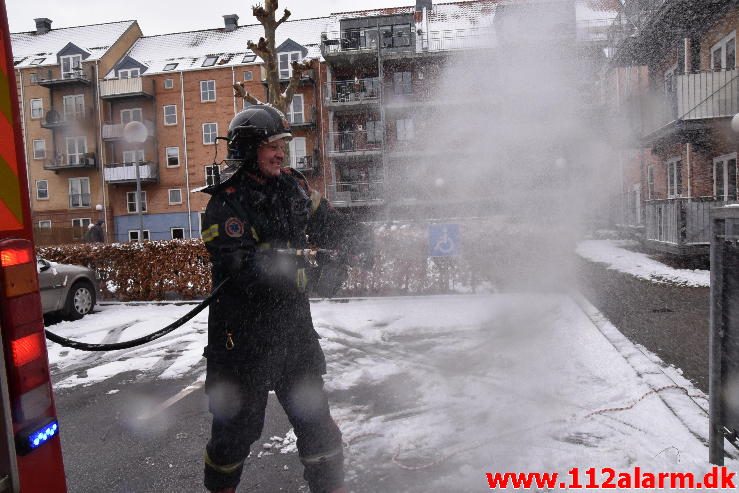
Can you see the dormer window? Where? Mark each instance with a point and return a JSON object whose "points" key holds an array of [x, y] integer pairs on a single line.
{"points": [[210, 61], [170, 66], [129, 73], [285, 60], [71, 66]]}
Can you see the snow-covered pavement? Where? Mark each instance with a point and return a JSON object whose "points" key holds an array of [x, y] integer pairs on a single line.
{"points": [[432, 392]]}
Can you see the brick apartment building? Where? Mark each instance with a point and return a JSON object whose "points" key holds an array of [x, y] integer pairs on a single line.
{"points": [[356, 117], [674, 84]]}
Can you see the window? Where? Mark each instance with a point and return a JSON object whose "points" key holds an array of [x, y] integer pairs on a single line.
{"points": [[650, 182], [129, 73], [42, 189], [723, 53], [177, 233], [207, 90], [170, 66], [248, 75], [248, 58], [37, 108], [131, 205], [71, 66], [132, 114], [295, 113], [39, 149], [170, 114], [133, 156], [724, 177], [404, 129], [133, 235], [45, 224], [80, 225], [37, 61], [175, 196], [285, 59], [34, 78], [172, 156], [76, 150], [210, 132], [210, 174], [168, 83], [402, 83], [74, 106], [210, 61], [297, 153], [395, 36], [674, 184], [79, 192]]}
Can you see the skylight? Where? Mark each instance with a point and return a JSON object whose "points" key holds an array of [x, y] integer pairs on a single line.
{"points": [[37, 61], [170, 66], [210, 61], [248, 58]]}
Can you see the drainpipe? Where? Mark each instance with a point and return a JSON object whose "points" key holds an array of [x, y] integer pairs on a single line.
{"points": [[25, 140], [184, 146], [233, 83], [688, 149], [319, 126], [102, 149]]}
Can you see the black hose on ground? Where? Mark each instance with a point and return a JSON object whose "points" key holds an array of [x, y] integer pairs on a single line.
{"points": [[84, 346]]}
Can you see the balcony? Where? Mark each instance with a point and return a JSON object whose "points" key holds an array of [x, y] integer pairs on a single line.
{"points": [[79, 200], [62, 162], [304, 163], [694, 99], [127, 88], [355, 193], [54, 120], [356, 143], [114, 131], [125, 173], [353, 93], [79, 76]]}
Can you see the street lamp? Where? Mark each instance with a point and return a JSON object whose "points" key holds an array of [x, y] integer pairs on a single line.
{"points": [[136, 132]]}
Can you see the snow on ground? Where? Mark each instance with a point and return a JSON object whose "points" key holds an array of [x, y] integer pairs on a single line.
{"points": [[615, 254], [432, 392]]}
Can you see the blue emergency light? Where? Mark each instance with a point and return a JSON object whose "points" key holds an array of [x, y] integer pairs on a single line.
{"points": [[32, 438]]}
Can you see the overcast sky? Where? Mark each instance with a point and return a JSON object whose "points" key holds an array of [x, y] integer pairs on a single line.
{"points": [[157, 17]]}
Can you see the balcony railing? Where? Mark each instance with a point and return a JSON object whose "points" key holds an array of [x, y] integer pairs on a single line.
{"points": [[351, 91], [304, 163], [125, 88], [355, 141], [695, 96], [114, 131], [126, 172], [352, 41], [53, 119], [62, 162], [349, 193], [77, 200], [78, 76]]}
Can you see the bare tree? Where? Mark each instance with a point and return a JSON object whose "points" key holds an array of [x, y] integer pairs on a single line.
{"points": [[266, 50]]}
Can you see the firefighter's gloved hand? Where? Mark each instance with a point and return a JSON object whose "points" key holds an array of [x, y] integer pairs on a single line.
{"points": [[281, 271]]}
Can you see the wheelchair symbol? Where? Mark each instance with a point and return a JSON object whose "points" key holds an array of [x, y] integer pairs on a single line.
{"points": [[444, 245]]}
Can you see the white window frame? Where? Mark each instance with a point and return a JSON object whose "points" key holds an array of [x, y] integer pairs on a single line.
{"points": [[132, 205], [725, 173], [166, 157], [132, 114], [80, 148], [168, 83], [207, 91], [169, 196], [248, 75], [650, 182], [39, 189], [132, 232], [298, 149], [37, 61], [37, 112], [39, 153], [82, 223], [129, 73], [722, 46], [209, 175], [209, 61], [73, 106], [672, 178], [209, 138], [296, 117], [170, 119], [170, 66], [286, 58], [404, 131], [173, 229], [133, 156], [71, 67], [83, 184], [44, 224]]}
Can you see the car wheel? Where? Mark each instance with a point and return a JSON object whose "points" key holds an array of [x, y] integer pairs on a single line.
{"points": [[80, 300]]}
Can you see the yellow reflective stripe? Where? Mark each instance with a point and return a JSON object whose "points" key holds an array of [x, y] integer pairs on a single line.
{"points": [[225, 469], [254, 234], [315, 200], [264, 246], [318, 458], [210, 233], [301, 279], [11, 209]]}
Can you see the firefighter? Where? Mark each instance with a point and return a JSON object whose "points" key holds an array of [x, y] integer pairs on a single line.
{"points": [[260, 332]]}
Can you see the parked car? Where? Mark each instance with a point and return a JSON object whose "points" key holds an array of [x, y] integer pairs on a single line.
{"points": [[68, 289]]}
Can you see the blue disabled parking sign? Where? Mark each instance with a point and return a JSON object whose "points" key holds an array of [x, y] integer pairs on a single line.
{"points": [[444, 240]]}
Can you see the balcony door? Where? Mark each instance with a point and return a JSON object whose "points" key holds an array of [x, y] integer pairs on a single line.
{"points": [[79, 192], [724, 177], [76, 150], [74, 106], [132, 114]]}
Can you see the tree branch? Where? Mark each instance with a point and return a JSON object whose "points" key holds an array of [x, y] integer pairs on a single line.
{"points": [[298, 70], [260, 49], [285, 16], [241, 92]]}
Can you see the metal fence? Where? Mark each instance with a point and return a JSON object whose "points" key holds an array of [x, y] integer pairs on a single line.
{"points": [[354, 141], [356, 192], [345, 91]]}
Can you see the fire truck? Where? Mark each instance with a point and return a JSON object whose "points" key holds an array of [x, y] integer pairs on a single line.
{"points": [[30, 447]]}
